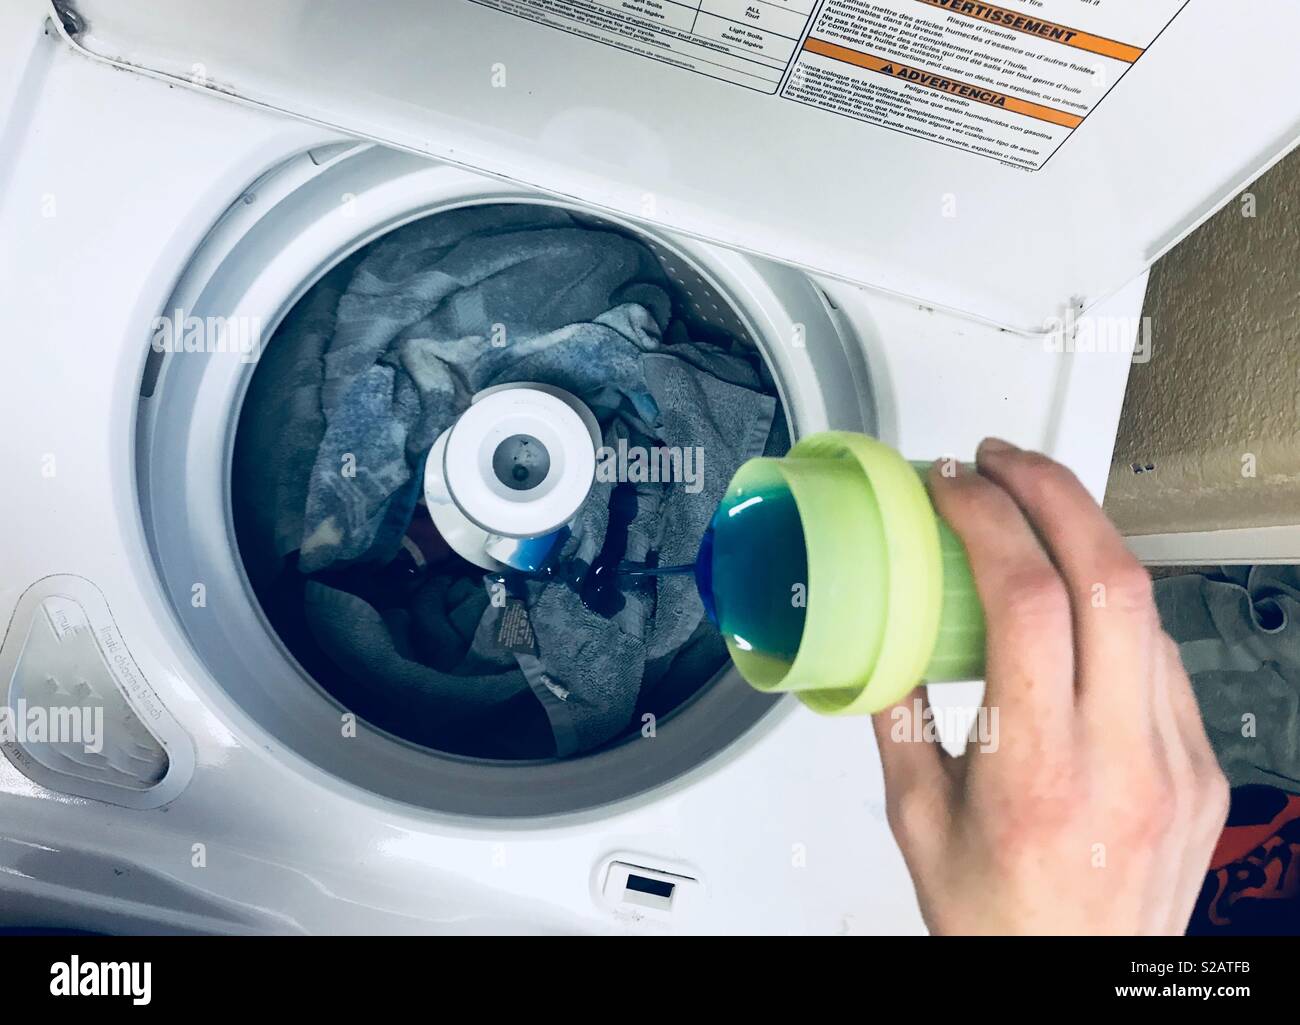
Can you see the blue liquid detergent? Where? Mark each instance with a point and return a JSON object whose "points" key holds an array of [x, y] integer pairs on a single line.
{"points": [[752, 572], [601, 588]]}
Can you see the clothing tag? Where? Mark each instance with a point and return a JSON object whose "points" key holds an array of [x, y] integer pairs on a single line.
{"points": [[514, 630]]}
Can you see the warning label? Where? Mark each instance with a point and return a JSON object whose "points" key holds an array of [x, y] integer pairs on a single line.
{"points": [[746, 42], [1011, 82]]}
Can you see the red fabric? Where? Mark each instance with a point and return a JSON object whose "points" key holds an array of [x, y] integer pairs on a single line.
{"points": [[1238, 841], [1253, 886]]}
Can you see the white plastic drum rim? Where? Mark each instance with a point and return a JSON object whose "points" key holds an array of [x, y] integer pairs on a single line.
{"points": [[490, 503]]}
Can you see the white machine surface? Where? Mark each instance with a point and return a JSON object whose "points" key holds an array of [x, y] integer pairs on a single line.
{"points": [[122, 191]]}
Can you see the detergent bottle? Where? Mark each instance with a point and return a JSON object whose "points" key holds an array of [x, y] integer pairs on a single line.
{"points": [[830, 576]]}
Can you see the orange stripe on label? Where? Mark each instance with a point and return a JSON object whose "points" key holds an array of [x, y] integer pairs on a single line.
{"points": [[941, 83], [1040, 29]]}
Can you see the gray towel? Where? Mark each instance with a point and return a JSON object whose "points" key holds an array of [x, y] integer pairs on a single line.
{"points": [[279, 438], [361, 641], [1238, 634], [437, 311], [444, 308]]}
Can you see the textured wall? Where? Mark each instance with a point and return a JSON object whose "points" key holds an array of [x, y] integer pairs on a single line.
{"points": [[1223, 383]]}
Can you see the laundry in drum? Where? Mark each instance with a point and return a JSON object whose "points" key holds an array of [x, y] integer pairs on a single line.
{"points": [[457, 445]]}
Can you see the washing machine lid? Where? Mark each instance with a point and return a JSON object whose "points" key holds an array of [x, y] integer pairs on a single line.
{"points": [[1007, 161]]}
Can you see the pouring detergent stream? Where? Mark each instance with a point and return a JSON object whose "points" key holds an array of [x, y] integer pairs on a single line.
{"points": [[827, 571], [759, 604]]}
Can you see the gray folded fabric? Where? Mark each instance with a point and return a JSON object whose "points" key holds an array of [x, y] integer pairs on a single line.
{"points": [[1238, 635], [435, 312], [445, 307], [730, 424], [359, 640], [281, 429]]}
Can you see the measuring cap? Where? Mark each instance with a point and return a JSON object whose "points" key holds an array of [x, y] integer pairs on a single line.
{"points": [[890, 602]]}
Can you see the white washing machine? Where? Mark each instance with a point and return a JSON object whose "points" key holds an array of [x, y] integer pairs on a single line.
{"points": [[934, 253]]}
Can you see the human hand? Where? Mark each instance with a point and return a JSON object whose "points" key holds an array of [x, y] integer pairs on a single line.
{"points": [[1100, 806]]}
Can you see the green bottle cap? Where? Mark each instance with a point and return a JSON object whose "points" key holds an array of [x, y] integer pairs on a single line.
{"points": [[890, 599]]}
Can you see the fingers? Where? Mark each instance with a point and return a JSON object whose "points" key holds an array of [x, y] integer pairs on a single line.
{"points": [[918, 776], [1114, 765], [1140, 725], [1186, 712], [1198, 791], [1030, 662], [1171, 800], [1110, 592], [907, 759], [1211, 785]]}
